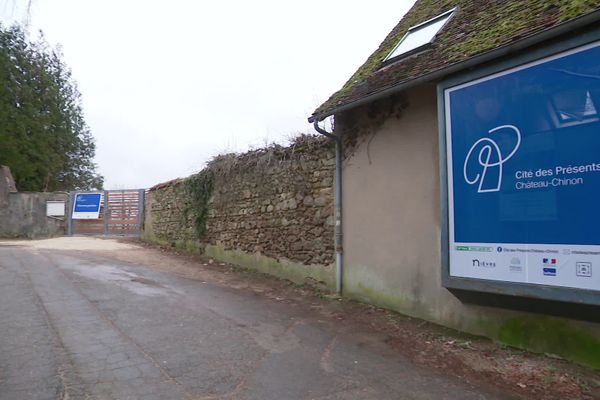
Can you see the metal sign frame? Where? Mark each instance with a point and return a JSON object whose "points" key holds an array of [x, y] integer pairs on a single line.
{"points": [[496, 287], [94, 206]]}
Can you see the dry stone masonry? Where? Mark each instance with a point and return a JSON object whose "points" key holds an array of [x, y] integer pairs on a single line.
{"points": [[165, 216], [276, 202]]}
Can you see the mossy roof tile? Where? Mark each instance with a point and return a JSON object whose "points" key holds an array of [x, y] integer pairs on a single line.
{"points": [[477, 26]]}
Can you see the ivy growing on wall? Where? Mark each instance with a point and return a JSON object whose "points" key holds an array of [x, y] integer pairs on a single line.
{"points": [[199, 188]]}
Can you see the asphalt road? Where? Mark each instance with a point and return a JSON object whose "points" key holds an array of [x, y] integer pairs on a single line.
{"points": [[74, 325]]}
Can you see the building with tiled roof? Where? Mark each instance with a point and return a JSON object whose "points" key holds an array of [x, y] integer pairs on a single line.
{"points": [[469, 170], [478, 31]]}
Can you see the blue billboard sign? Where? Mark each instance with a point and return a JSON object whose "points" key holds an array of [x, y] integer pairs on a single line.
{"points": [[87, 205], [523, 163]]}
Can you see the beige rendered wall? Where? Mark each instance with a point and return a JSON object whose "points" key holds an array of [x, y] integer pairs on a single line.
{"points": [[392, 244]]}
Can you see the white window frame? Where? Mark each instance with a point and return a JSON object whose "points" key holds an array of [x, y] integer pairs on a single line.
{"points": [[446, 15]]}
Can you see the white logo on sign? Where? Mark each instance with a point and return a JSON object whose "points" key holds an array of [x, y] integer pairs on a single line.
{"points": [[488, 151]]}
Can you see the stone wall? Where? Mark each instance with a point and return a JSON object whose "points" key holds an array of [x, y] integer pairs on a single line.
{"points": [[274, 203], [165, 218], [23, 214]]}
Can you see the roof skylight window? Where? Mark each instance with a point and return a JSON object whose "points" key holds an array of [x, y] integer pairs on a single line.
{"points": [[420, 35]]}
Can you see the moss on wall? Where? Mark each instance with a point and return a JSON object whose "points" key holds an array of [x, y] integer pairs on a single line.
{"points": [[198, 191], [550, 335], [540, 334], [282, 268]]}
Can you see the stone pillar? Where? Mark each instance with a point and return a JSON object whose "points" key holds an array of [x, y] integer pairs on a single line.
{"points": [[7, 185]]}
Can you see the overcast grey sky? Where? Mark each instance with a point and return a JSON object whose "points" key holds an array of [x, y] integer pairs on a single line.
{"points": [[166, 85]]}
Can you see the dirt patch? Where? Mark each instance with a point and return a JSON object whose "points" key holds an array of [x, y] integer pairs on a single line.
{"points": [[477, 360]]}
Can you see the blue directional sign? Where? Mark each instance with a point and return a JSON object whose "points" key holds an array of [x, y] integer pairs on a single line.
{"points": [[523, 151], [87, 205]]}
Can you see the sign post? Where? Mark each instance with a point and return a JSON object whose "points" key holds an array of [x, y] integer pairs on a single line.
{"points": [[86, 206], [523, 174]]}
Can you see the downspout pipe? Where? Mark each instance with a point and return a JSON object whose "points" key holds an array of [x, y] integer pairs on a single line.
{"points": [[339, 265]]}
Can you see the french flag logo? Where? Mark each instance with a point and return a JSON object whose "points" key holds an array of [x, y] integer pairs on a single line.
{"points": [[549, 266]]}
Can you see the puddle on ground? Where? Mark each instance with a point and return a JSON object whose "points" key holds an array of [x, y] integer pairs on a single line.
{"points": [[125, 279]]}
